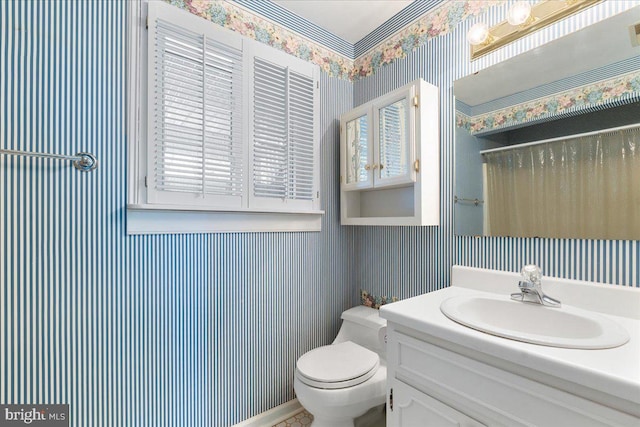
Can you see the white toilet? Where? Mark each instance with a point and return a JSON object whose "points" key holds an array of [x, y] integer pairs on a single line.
{"points": [[339, 382]]}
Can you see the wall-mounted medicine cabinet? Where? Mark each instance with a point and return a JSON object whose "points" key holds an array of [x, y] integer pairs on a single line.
{"points": [[389, 162]]}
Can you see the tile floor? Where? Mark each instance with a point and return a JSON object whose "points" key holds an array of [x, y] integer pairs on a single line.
{"points": [[373, 418], [301, 419]]}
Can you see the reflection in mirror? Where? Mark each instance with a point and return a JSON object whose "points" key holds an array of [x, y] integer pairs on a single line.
{"points": [[357, 150], [551, 150], [566, 187], [394, 138]]}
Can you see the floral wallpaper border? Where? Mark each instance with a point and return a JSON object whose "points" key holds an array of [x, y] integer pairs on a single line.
{"points": [[592, 95], [438, 22], [254, 26], [375, 301]]}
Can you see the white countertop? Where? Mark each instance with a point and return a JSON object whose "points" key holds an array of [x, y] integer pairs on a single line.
{"points": [[615, 371]]}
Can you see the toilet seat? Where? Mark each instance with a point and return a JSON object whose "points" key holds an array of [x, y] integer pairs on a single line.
{"points": [[337, 366]]}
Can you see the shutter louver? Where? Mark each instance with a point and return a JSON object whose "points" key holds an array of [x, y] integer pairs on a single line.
{"points": [[197, 129], [223, 120], [301, 137], [283, 133], [270, 144], [179, 116]]}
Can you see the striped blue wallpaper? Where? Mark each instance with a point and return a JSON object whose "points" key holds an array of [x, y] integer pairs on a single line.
{"points": [[410, 261], [199, 330], [174, 330]]}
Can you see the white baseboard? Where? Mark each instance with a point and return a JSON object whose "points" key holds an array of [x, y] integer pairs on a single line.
{"points": [[273, 416]]}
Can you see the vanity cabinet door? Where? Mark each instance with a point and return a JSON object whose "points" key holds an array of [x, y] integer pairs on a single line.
{"points": [[357, 162], [394, 138], [488, 393], [414, 408]]}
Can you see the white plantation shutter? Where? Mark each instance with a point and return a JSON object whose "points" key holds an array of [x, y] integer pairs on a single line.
{"points": [[224, 120], [284, 167], [196, 126], [231, 123], [270, 134], [301, 137]]}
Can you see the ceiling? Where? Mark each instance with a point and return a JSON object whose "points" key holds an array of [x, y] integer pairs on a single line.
{"points": [[348, 19]]}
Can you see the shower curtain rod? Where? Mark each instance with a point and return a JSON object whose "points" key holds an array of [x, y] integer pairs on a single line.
{"points": [[578, 135], [82, 161]]}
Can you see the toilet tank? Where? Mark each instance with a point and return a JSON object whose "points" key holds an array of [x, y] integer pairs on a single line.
{"points": [[364, 326]]}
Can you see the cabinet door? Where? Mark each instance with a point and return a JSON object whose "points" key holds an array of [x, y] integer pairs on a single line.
{"points": [[394, 120], [412, 408], [357, 150]]}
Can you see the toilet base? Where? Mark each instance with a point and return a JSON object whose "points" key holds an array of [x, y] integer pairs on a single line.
{"points": [[375, 417], [342, 407]]}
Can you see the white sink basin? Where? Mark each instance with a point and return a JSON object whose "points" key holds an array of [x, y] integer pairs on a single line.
{"points": [[566, 327]]}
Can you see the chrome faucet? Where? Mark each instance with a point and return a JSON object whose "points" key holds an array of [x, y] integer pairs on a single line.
{"points": [[531, 288]]}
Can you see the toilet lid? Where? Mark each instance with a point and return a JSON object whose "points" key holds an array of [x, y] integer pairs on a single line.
{"points": [[337, 366]]}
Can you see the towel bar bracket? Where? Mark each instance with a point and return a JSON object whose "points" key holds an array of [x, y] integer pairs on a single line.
{"points": [[86, 163]]}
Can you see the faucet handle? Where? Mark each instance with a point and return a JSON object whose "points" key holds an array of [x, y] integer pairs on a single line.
{"points": [[531, 288], [531, 273]]}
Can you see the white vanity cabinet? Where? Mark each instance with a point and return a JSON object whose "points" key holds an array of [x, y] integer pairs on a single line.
{"points": [[440, 373], [435, 386], [389, 163], [412, 407]]}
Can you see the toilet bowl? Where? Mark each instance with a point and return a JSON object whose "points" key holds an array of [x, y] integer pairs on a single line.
{"points": [[339, 382]]}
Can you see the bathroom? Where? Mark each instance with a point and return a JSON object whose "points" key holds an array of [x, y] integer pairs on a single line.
{"points": [[205, 328]]}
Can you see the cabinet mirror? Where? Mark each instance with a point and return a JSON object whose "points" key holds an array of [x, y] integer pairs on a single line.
{"points": [[358, 150]]}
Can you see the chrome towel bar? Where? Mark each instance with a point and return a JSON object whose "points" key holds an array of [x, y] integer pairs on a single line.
{"points": [[84, 162]]}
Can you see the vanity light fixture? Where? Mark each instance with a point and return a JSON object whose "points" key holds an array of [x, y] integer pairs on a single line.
{"points": [[523, 18], [478, 34], [520, 13]]}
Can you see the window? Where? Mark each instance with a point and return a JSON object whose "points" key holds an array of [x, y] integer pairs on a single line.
{"points": [[231, 126]]}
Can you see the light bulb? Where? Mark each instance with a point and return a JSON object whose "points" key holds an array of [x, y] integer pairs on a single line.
{"points": [[478, 34], [519, 13]]}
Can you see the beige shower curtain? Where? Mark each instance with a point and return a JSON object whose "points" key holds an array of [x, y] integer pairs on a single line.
{"points": [[587, 187]]}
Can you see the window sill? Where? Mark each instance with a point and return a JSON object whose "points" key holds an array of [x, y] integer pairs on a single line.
{"points": [[158, 219]]}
